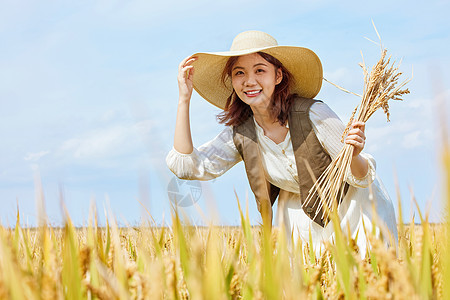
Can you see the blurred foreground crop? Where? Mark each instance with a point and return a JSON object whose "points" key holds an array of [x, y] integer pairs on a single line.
{"points": [[187, 262]]}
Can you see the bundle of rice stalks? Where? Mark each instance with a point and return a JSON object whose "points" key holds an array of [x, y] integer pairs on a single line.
{"points": [[380, 86]]}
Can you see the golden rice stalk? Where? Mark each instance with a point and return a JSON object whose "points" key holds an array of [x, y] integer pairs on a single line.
{"points": [[380, 86]]}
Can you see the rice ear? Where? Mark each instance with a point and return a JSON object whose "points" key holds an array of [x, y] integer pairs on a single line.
{"points": [[381, 85]]}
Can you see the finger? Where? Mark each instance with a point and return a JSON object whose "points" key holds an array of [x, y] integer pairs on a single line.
{"points": [[184, 69], [187, 72], [359, 124], [184, 72], [184, 61], [357, 132], [187, 61], [191, 60], [191, 73], [354, 142], [181, 65], [358, 147], [363, 127], [356, 138]]}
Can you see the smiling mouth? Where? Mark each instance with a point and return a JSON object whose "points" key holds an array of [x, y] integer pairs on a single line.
{"points": [[253, 93]]}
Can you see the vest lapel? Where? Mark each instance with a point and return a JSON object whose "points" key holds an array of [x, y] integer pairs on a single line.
{"points": [[309, 155], [246, 142], [302, 134]]}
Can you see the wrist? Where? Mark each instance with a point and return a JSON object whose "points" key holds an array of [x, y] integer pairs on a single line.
{"points": [[184, 100]]}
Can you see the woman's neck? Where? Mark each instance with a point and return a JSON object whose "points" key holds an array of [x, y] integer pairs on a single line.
{"points": [[264, 119], [271, 127]]}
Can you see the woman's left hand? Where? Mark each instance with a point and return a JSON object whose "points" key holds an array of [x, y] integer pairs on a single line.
{"points": [[356, 137]]}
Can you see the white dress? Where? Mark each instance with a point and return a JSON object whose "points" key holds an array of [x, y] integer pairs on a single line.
{"points": [[364, 196]]}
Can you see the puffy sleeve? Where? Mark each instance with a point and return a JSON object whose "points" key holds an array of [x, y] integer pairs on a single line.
{"points": [[209, 161], [328, 129]]}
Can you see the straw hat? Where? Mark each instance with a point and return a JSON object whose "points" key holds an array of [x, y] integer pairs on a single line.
{"points": [[303, 64]]}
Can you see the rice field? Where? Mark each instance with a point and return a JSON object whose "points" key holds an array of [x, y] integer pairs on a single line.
{"points": [[188, 262]]}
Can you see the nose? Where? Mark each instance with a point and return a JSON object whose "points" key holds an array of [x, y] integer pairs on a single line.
{"points": [[250, 80]]}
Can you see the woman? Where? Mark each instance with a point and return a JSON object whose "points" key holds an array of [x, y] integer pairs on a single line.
{"points": [[280, 133]]}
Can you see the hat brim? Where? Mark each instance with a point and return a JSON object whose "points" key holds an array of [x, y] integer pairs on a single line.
{"points": [[303, 63]]}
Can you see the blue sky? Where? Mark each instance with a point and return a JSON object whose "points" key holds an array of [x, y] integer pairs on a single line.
{"points": [[88, 97]]}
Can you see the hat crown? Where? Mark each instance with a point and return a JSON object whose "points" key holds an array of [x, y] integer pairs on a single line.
{"points": [[252, 39]]}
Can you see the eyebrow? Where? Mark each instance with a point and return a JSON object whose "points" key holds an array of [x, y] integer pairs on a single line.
{"points": [[259, 64]]}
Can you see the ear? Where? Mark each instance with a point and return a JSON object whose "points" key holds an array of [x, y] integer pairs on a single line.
{"points": [[279, 76]]}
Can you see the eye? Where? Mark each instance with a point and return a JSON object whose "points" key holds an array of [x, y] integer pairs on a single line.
{"points": [[260, 70], [237, 73]]}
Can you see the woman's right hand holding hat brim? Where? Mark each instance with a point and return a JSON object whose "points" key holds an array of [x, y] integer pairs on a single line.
{"points": [[182, 138], [185, 74]]}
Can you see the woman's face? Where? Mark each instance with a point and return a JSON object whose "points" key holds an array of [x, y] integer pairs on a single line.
{"points": [[254, 80]]}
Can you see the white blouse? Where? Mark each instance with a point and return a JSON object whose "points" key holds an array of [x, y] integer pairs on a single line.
{"points": [[217, 156]]}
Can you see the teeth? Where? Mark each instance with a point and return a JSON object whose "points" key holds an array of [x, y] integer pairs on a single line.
{"points": [[252, 93]]}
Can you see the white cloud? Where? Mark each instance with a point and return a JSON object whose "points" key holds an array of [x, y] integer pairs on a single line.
{"points": [[406, 134], [35, 156], [338, 75], [109, 115], [380, 134], [416, 103], [97, 143], [144, 128], [412, 139], [35, 168], [106, 143]]}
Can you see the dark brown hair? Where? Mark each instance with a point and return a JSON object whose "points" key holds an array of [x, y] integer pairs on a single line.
{"points": [[236, 111]]}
